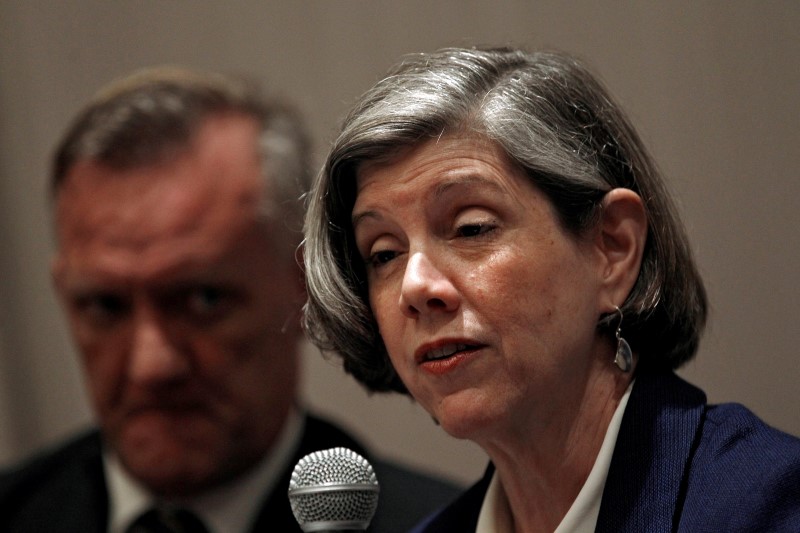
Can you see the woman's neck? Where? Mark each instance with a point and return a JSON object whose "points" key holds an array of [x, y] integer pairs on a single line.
{"points": [[543, 465]]}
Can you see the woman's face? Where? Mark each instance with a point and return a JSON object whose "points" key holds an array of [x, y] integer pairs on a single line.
{"points": [[487, 307]]}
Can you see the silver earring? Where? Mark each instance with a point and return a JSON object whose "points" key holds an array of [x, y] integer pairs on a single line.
{"points": [[624, 357]]}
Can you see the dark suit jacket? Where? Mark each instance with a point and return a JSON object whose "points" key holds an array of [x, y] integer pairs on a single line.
{"points": [[64, 490], [681, 465]]}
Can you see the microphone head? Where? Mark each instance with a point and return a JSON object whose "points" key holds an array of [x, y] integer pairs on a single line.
{"points": [[333, 490]]}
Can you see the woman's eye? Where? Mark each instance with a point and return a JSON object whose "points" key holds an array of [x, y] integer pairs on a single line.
{"points": [[473, 230], [381, 258]]}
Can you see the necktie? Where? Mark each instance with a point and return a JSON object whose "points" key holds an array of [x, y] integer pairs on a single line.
{"points": [[167, 520]]}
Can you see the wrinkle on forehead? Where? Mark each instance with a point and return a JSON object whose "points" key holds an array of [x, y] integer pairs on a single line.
{"points": [[198, 203], [457, 161], [134, 212]]}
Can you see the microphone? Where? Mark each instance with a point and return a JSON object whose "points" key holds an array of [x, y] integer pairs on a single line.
{"points": [[333, 490]]}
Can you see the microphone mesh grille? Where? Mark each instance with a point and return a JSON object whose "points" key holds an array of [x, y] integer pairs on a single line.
{"points": [[337, 486]]}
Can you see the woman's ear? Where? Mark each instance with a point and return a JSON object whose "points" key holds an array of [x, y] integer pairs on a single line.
{"points": [[620, 238]]}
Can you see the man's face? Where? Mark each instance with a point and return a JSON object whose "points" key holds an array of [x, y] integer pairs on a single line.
{"points": [[184, 306]]}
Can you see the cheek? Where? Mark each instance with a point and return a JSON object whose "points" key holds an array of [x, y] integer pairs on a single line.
{"points": [[256, 393], [506, 281], [553, 301], [386, 313], [105, 363], [379, 299], [252, 360], [527, 293], [263, 320]]}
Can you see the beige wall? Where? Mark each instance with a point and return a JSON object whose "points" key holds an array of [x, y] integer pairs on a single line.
{"points": [[713, 86]]}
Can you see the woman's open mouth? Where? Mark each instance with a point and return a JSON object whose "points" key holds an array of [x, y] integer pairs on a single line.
{"points": [[443, 358]]}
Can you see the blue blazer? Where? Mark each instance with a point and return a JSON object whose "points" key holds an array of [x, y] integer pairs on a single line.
{"points": [[680, 465]]}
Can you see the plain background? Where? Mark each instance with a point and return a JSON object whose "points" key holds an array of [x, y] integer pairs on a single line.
{"points": [[713, 87]]}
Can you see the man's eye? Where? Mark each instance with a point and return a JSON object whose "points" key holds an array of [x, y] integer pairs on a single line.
{"points": [[204, 302], [101, 307]]}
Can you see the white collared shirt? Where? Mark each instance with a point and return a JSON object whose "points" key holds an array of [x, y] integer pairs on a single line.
{"points": [[231, 508], [495, 515]]}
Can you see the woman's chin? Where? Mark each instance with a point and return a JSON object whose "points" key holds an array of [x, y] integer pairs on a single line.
{"points": [[465, 418]]}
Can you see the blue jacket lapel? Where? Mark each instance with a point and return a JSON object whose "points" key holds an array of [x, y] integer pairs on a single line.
{"points": [[645, 487]]}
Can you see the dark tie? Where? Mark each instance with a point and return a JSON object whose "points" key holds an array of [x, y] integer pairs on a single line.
{"points": [[167, 520]]}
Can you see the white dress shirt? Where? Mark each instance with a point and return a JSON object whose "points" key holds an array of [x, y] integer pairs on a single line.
{"points": [[231, 508]]}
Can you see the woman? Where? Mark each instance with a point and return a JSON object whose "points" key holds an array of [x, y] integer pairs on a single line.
{"points": [[489, 235]]}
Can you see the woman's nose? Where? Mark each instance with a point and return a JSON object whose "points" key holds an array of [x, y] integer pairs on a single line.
{"points": [[426, 288], [154, 358]]}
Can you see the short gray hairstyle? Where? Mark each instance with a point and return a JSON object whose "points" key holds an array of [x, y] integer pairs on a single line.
{"points": [[560, 126], [148, 116]]}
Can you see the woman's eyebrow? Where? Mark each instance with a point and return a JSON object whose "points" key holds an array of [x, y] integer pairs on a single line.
{"points": [[448, 185], [357, 218], [469, 181]]}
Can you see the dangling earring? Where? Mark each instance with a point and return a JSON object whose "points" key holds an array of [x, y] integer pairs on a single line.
{"points": [[624, 357]]}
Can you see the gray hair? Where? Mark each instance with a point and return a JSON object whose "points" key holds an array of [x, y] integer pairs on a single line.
{"points": [[149, 116], [554, 120]]}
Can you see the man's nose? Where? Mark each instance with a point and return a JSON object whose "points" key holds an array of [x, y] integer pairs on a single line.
{"points": [[155, 358], [426, 288]]}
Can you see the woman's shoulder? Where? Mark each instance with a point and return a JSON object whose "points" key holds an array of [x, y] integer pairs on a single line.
{"points": [[733, 429], [733, 471], [744, 473]]}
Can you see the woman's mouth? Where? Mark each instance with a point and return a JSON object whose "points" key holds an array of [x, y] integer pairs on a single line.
{"points": [[443, 358], [445, 351]]}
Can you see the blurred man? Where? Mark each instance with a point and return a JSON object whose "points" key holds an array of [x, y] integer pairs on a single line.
{"points": [[176, 199]]}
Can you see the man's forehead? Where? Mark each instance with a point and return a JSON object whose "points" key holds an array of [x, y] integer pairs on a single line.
{"points": [[164, 254], [148, 202], [120, 226], [224, 147]]}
